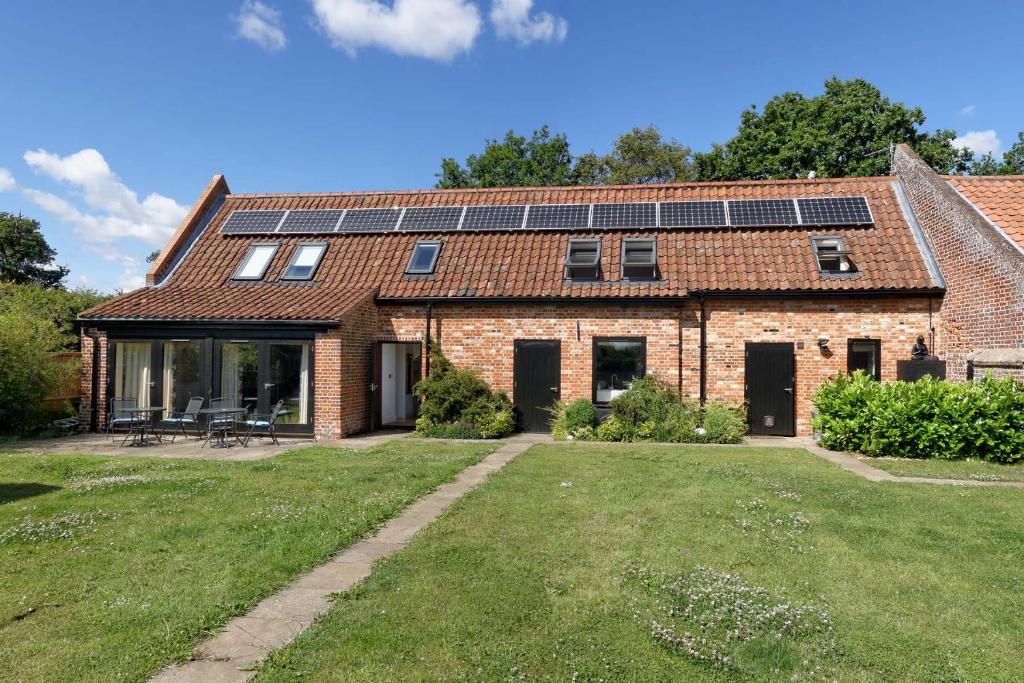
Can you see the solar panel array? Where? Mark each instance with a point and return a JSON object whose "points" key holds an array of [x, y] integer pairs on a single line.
{"points": [[746, 213]]}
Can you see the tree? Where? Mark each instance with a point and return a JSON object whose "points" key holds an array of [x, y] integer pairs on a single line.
{"points": [[25, 256], [153, 256], [58, 307], [27, 372], [639, 156], [541, 160], [1012, 163], [846, 131]]}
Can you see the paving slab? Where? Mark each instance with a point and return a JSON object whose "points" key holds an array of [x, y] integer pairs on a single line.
{"points": [[278, 619]]}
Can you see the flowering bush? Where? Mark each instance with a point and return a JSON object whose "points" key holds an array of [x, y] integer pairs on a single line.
{"points": [[458, 404], [928, 418]]}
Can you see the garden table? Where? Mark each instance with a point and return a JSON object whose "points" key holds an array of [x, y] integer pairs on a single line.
{"points": [[218, 424], [142, 419]]}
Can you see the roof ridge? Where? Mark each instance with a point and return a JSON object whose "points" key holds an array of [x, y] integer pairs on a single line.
{"points": [[994, 178], [573, 188]]}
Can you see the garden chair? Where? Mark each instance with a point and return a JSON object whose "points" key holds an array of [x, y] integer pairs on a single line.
{"points": [[224, 423], [263, 425], [185, 418], [121, 414]]}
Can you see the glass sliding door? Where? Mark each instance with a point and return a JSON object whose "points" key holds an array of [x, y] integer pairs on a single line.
{"points": [[239, 373], [182, 373], [133, 371], [288, 380]]}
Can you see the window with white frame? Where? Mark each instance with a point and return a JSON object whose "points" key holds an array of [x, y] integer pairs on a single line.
{"points": [[304, 262], [255, 263], [831, 256]]}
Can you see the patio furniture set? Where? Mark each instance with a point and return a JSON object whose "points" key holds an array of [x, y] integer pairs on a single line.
{"points": [[220, 425]]}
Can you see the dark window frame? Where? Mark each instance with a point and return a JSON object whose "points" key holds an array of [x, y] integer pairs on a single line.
{"points": [[438, 244], [248, 255], [295, 256], [840, 252], [593, 361], [630, 271], [571, 268], [878, 354]]}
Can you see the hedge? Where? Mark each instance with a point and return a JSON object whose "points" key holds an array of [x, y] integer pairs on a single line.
{"points": [[929, 418]]}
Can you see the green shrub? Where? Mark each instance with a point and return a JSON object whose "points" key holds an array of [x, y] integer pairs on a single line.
{"points": [[27, 371], [722, 424], [580, 414], [930, 418], [458, 404]]}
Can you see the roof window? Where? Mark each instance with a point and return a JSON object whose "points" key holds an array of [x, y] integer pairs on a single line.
{"points": [[255, 263], [831, 257], [583, 260], [304, 262], [639, 258], [424, 257]]}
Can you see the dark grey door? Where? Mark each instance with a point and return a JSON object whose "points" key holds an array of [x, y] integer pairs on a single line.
{"points": [[770, 387], [537, 378]]}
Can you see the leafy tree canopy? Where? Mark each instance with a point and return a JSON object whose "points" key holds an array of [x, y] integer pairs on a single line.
{"points": [[541, 160], [1012, 163], [153, 256], [58, 307], [846, 131], [639, 156], [25, 256]]}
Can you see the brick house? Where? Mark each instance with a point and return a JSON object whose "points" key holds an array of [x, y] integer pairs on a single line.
{"points": [[975, 226], [747, 291]]}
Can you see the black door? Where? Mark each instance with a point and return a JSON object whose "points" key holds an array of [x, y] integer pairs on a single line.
{"points": [[770, 384], [537, 377]]}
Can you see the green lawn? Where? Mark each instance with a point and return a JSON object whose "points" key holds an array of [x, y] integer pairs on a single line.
{"points": [[949, 469], [113, 567], [636, 562]]}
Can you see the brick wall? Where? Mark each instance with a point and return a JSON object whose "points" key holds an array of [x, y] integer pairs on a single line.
{"points": [[984, 303], [483, 337], [86, 403], [343, 374]]}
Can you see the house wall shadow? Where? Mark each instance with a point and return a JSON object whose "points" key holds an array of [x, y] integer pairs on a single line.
{"points": [[12, 492]]}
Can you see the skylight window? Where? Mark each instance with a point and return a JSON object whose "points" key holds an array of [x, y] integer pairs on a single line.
{"points": [[424, 258], [304, 262], [583, 260], [831, 257], [255, 263], [639, 259]]}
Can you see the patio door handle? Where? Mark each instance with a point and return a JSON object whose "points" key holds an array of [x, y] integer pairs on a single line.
{"points": [[269, 385]]}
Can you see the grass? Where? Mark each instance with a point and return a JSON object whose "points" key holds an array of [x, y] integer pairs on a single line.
{"points": [[112, 567], [644, 563], [949, 469]]}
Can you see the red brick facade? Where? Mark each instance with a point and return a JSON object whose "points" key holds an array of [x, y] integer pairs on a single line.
{"points": [[85, 406], [984, 272]]}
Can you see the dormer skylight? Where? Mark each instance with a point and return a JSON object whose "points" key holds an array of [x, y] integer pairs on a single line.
{"points": [[639, 258], [255, 263], [305, 262], [583, 260], [831, 256]]}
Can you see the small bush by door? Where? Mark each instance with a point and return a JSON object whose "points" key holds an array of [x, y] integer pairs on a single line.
{"points": [[458, 404]]}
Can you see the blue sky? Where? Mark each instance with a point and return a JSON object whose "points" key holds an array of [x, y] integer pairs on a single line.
{"points": [[117, 114]]}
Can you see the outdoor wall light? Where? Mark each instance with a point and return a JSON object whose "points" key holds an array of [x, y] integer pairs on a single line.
{"points": [[823, 342]]}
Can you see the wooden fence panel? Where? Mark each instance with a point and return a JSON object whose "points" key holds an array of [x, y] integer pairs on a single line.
{"points": [[70, 386]]}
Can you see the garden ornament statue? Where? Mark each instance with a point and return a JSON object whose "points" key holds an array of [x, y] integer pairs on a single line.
{"points": [[920, 350]]}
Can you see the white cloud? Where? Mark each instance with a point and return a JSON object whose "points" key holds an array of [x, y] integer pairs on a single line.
{"points": [[6, 180], [511, 19], [979, 141], [968, 110], [260, 24], [117, 211], [130, 277], [432, 29]]}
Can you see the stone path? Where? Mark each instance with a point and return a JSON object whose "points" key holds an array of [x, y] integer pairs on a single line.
{"points": [[275, 622], [852, 464]]}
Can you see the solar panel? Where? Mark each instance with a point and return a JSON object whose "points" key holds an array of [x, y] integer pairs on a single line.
{"points": [[318, 221], [762, 212], [493, 217], [369, 220], [635, 215], [434, 218], [251, 222], [835, 211], [700, 214], [555, 216]]}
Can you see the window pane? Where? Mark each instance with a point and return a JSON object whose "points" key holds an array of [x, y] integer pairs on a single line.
{"points": [[289, 379], [181, 374], [306, 259], [132, 372], [583, 253], [423, 258], [616, 364], [257, 261], [863, 356], [639, 253], [239, 373]]}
